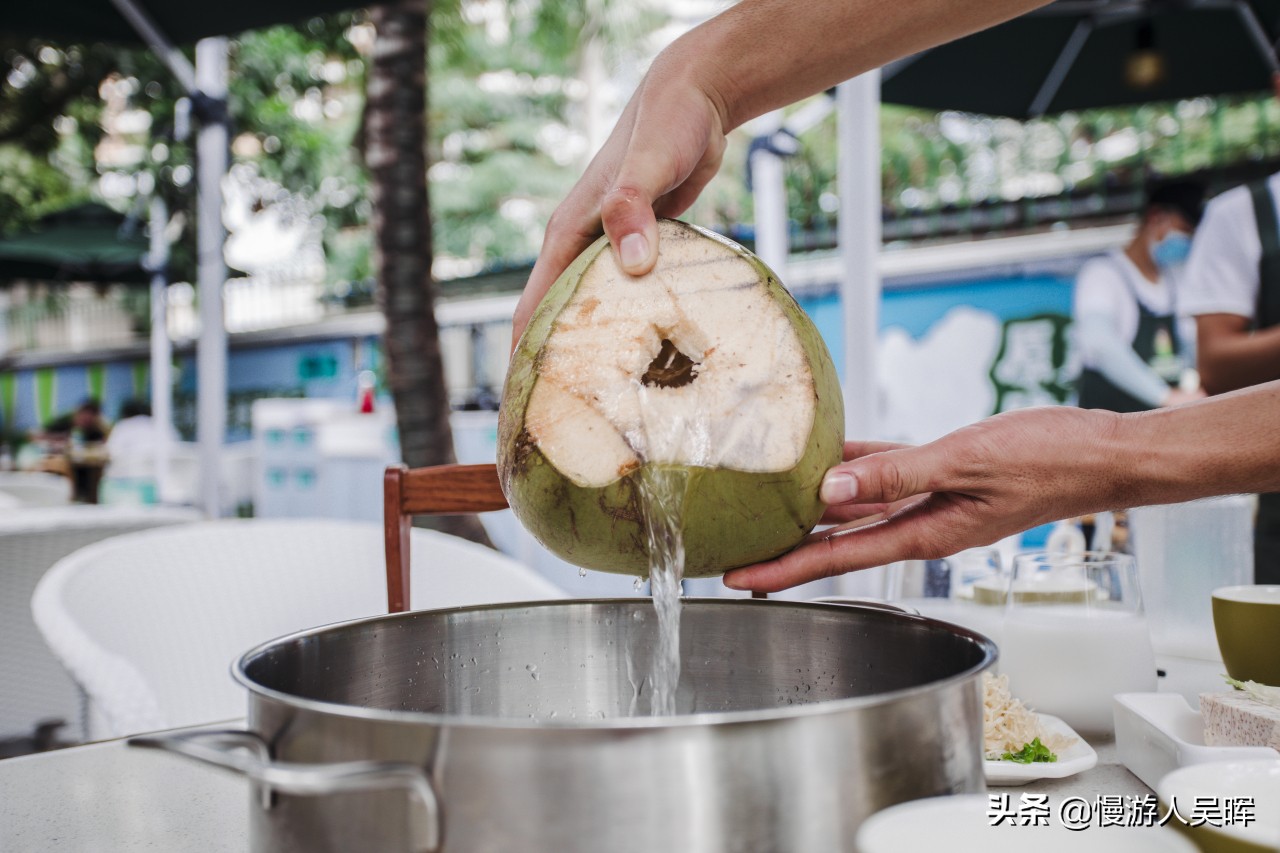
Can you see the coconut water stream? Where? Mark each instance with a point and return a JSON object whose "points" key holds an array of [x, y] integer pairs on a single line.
{"points": [[661, 488], [662, 493]]}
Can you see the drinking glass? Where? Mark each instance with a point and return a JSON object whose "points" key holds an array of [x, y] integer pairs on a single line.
{"points": [[1075, 635]]}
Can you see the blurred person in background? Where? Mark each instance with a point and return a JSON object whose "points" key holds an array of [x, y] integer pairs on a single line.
{"points": [[86, 424], [133, 449], [1134, 346], [1232, 288]]}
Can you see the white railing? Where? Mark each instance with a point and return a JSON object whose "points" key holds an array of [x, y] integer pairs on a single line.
{"points": [[80, 318]]}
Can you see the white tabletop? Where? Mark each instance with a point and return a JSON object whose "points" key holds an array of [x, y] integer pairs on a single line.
{"points": [[109, 797]]}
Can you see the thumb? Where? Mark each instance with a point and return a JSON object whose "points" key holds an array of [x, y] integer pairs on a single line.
{"points": [[626, 212], [881, 477]]}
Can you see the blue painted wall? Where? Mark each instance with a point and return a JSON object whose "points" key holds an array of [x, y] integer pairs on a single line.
{"points": [[917, 309], [329, 368]]}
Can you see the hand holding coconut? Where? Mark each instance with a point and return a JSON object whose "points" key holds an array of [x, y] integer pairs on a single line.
{"points": [[1014, 471], [755, 57]]}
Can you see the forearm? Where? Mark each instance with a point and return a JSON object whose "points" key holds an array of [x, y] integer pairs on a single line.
{"points": [[1223, 445], [742, 56], [1238, 360]]}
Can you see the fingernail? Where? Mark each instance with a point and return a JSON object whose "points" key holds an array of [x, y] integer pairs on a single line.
{"points": [[633, 251], [838, 488]]}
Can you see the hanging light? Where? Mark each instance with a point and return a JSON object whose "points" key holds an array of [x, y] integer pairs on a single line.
{"points": [[1145, 67]]}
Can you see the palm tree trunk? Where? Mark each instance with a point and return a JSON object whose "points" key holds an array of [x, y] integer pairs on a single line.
{"points": [[396, 156]]}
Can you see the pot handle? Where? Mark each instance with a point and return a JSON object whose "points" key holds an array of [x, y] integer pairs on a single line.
{"points": [[247, 754], [870, 603]]}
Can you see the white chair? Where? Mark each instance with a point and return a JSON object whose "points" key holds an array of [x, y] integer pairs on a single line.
{"points": [[150, 624], [33, 685], [32, 488]]}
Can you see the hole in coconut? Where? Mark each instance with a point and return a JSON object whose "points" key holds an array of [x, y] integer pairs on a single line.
{"points": [[670, 368]]}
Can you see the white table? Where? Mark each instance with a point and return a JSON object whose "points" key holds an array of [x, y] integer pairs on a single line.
{"points": [[109, 797]]}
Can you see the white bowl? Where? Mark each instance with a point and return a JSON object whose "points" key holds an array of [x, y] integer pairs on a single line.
{"points": [[960, 825], [1228, 780]]}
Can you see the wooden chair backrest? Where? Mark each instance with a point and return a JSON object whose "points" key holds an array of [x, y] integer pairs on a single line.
{"points": [[438, 490]]}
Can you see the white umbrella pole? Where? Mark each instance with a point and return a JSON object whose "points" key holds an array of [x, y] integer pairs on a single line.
{"points": [[769, 197], [858, 176], [161, 349], [858, 133], [212, 154]]}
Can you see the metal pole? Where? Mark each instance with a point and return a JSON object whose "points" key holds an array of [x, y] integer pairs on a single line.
{"points": [[212, 154], [1058, 73], [161, 348], [858, 133], [177, 63], [858, 179], [769, 197]]}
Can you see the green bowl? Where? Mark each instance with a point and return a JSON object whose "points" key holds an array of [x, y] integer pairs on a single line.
{"points": [[1247, 621]]}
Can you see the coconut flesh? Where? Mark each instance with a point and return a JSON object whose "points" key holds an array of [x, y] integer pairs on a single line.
{"points": [[706, 366]]}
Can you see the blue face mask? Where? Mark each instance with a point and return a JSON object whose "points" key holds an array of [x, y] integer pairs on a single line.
{"points": [[1172, 251]]}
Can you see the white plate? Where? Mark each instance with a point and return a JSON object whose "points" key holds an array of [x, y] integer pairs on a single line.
{"points": [[1257, 781], [961, 824], [1156, 733], [1076, 758]]}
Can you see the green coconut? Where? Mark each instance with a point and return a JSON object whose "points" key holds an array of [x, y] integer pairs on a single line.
{"points": [[705, 367]]}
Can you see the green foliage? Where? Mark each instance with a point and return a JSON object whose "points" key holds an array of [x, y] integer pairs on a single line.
{"points": [[506, 100], [30, 186], [509, 100]]}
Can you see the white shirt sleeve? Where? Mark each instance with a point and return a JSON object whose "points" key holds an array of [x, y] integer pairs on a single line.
{"points": [[1099, 289], [1115, 359], [1222, 273], [1096, 305]]}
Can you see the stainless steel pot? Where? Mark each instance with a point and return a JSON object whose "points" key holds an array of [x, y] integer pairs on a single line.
{"points": [[513, 727]]}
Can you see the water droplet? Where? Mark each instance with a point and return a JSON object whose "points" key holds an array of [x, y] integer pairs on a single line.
{"points": [[638, 584], [582, 572], [533, 671]]}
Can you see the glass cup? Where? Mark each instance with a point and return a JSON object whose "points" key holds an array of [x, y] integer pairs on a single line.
{"points": [[1075, 635]]}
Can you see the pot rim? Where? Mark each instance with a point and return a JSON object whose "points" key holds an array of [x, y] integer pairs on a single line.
{"points": [[989, 650]]}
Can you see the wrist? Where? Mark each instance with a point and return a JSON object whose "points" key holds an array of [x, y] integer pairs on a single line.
{"points": [[1149, 470], [685, 65], [1120, 459]]}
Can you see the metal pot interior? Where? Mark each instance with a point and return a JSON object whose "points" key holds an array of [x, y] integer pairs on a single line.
{"points": [[575, 663]]}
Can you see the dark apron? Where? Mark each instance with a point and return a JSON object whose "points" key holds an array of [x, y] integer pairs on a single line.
{"points": [[1156, 343], [1266, 532]]}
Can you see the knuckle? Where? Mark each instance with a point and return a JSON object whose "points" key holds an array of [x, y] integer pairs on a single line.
{"points": [[892, 482], [619, 203]]}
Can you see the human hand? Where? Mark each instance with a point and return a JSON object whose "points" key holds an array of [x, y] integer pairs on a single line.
{"points": [[867, 512], [665, 148], [1177, 396], [968, 489]]}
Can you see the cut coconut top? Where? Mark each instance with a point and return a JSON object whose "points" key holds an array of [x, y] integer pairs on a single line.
{"points": [[694, 364]]}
